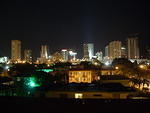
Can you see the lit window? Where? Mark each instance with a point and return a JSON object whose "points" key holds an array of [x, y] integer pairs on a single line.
{"points": [[78, 95]]}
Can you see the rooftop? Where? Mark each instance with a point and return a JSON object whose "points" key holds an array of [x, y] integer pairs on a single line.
{"points": [[104, 87]]}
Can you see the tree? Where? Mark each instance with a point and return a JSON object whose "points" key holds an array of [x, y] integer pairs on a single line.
{"points": [[22, 68], [122, 61], [1, 70], [135, 82], [61, 78], [125, 66], [43, 78], [139, 82], [145, 81]]}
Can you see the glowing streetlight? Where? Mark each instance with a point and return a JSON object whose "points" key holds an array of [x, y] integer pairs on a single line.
{"points": [[116, 67], [32, 83], [142, 66]]}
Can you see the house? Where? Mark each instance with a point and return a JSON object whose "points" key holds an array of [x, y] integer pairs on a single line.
{"points": [[83, 75]]}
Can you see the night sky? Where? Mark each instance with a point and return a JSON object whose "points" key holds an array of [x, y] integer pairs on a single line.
{"points": [[70, 23]]}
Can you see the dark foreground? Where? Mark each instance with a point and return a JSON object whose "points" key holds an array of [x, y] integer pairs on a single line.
{"points": [[42, 105]]}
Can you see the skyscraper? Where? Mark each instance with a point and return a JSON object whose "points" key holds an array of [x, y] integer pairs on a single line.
{"points": [[44, 54], [44, 51], [28, 55], [88, 50], [65, 54], [72, 54], [106, 51], [15, 50], [133, 48], [114, 49], [123, 52]]}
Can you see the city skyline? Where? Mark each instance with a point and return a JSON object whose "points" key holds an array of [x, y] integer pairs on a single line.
{"points": [[48, 53], [73, 23]]}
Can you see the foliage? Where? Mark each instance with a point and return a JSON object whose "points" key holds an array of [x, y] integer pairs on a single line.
{"points": [[122, 61], [62, 65], [1, 69], [139, 82], [42, 66], [88, 65], [22, 68], [43, 78], [125, 66]]}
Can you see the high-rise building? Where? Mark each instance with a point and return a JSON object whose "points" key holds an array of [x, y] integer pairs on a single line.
{"points": [[114, 49], [106, 51], [28, 55], [57, 57], [44, 51], [65, 54], [44, 54], [15, 50], [88, 50], [133, 48], [147, 52], [123, 52], [72, 55]]}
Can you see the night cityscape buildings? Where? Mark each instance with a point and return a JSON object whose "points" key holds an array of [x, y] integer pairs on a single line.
{"points": [[114, 49], [44, 54], [16, 50], [75, 50], [133, 48], [44, 51], [88, 50], [65, 54], [28, 55]]}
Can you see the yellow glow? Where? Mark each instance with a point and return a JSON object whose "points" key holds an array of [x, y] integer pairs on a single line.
{"points": [[116, 67], [141, 66], [78, 95], [80, 76]]}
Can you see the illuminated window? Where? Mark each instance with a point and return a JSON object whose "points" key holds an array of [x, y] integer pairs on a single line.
{"points": [[78, 95]]}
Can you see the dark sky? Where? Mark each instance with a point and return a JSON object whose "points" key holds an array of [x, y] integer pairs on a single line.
{"points": [[70, 23]]}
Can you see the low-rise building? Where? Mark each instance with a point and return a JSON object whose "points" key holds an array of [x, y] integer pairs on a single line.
{"points": [[89, 91], [83, 76], [110, 72]]}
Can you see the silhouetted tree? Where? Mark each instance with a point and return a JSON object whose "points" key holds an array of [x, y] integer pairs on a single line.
{"points": [[22, 68], [125, 66], [1, 70]]}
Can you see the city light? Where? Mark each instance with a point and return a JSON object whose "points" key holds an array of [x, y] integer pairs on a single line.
{"points": [[116, 67], [141, 66], [45, 70], [7, 67], [64, 50], [3, 59], [78, 95], [107, 63], [32, 82]]}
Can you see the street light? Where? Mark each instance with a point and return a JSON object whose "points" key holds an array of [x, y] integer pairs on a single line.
{"points": [[116, 67], [32, 82], [142, 66]]}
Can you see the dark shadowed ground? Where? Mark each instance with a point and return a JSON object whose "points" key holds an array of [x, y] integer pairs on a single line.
{"points": [[43, 105]]}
